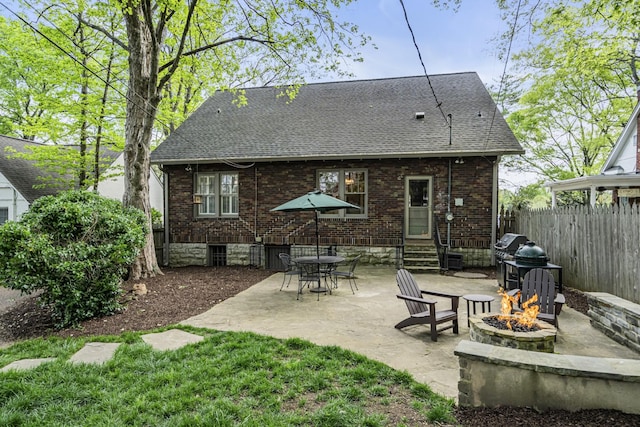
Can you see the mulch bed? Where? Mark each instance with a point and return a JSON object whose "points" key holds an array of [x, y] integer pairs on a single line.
{"points": [[172, 297]]}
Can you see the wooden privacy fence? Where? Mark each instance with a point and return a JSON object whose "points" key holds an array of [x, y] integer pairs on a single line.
{"points": [[158, 241], [507, 222], [598, 248]]}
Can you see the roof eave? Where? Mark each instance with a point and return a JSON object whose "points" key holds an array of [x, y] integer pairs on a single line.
{"points": [[266, 159], [586, 182], [624, 136]]}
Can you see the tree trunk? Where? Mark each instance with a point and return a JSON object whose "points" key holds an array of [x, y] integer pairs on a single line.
{"points": [[142, 100]]}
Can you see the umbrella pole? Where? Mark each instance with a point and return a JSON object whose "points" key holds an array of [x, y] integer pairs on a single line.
{"points": [[317, 237], [318, 253]]}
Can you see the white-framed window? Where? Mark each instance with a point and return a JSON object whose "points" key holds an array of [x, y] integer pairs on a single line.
{"points": [[4, 215], [349, 185], [217, 193]]}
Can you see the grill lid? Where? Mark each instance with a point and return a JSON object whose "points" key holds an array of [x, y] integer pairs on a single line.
{"points": [[510, 242], [531, 254]]}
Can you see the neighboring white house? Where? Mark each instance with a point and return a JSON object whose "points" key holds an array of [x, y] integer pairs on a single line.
{"points": [[17, 180], [620, 173], [18, 177], [113, 188]]}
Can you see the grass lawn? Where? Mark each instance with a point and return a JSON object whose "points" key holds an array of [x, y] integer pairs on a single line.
{"points": [[228, 379]]}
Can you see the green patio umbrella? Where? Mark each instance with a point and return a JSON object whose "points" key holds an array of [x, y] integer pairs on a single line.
{"points": [[314, 201]]}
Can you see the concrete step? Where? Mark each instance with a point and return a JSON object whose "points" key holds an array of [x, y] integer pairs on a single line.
{"points": [[422, 269]]}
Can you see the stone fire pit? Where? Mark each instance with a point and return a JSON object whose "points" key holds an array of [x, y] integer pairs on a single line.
{"points": [[541, 340]]}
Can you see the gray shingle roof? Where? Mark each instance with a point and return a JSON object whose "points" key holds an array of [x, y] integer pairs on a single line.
{"points": [[351, 119], [22, 174]]}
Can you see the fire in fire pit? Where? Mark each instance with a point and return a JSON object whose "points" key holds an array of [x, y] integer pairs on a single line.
{"points": [[524, 321], [519, 330], [506, 324]]}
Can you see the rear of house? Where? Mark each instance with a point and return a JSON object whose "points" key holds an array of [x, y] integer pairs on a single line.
{"points": [[410, 159]]}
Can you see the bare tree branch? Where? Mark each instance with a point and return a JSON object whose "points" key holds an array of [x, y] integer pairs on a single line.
{"points": [[173, 65], [214, 45], [104, 31]]}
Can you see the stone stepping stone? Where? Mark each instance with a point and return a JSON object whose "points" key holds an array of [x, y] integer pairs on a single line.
{"points": [[24, 364], [95, 353], [172, 339]]}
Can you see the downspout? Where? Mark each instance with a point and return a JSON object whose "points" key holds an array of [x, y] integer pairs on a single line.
{"points": [[494, 210], [449, 207], [449, 187], [165, 214], [255, 204]]}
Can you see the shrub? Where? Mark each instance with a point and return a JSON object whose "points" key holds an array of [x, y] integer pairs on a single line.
{"points": [[75, 247], [156, 218]]}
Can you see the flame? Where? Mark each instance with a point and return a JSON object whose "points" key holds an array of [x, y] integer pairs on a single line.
{"points": [[530, 311], [527, 317]]}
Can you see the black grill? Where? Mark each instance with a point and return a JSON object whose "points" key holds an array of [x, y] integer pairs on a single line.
{"points": [[505, 249]]}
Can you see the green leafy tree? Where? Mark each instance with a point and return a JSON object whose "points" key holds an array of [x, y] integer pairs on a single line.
{"points": [[57, 85], [182, 51], [284, 41], [532, 196], [574, 79], [583, 89], [75, 247]]}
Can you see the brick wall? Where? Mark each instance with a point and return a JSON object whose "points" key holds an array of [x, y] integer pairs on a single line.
{"points": [[273, 184]]}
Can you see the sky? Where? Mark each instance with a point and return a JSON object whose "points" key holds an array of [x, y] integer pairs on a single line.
{"points": [[449, 41]]}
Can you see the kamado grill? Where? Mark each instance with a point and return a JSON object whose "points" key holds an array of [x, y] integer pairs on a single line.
{"points": [[532, 255], [506, 249], [527, 257]]}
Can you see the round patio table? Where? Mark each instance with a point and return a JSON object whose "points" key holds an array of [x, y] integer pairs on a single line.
{"points": [[328, 260], [477, 298]]}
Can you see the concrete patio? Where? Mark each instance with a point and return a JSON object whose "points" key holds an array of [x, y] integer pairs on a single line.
{"points": [[363, 322]]}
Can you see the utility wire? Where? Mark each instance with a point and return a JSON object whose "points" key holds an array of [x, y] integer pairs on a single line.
{"points": [[63, 50], [415, 44], [504, 71]]}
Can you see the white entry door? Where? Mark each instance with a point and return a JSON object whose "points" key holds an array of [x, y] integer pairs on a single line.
{"points": [[418, 207]]}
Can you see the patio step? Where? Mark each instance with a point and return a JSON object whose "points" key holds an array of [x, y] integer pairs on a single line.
{"points": [[421, 257], [422, 269]]}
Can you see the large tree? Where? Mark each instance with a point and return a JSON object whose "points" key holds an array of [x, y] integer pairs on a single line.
{"points": [[57, 85], [573, 79], [285, 40], [180, 52]]}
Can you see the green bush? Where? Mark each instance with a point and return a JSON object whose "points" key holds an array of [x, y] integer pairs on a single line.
{"points": [[75, 247]]}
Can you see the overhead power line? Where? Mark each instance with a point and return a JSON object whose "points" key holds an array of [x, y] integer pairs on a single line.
{"points": [[504, 70], [125, 96], [415, 44]]}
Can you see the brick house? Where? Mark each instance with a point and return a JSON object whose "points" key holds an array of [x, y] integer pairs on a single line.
{"points": [[385, 145]]}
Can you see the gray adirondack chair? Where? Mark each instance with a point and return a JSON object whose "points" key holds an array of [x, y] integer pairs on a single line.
{"points": [[422, 311], [539, 281]]}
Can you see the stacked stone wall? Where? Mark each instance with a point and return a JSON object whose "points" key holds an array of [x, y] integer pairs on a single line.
{"points": [[616, 317]]}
